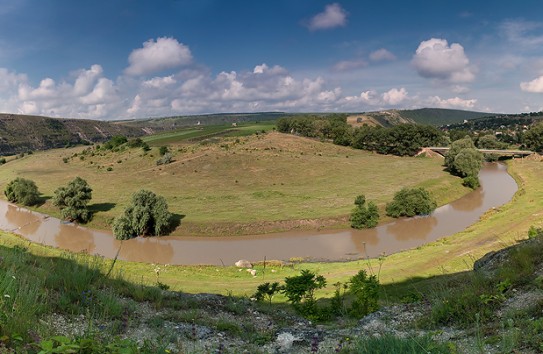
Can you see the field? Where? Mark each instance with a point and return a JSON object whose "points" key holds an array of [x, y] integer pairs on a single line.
{"points": [[236, 185]]}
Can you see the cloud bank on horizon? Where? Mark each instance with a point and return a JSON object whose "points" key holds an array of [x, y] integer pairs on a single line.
{"points": [[499, 69]]}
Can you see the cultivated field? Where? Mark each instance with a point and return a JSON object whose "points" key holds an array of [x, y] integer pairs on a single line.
{"points": [[237, 185]]}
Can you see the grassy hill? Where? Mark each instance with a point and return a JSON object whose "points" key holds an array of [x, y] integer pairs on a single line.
{"points": [[440, 116], [157, 125], [429, 116], [237, 185], [22, 133]]}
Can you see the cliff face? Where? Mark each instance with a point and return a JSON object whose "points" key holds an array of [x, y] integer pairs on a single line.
{"points": [[20, 133]]}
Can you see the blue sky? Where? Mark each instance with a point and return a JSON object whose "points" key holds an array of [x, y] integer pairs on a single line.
{"points": [[134, 59]]}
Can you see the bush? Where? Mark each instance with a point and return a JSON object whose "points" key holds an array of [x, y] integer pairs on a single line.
{"points": [[73, 199], [146, 215], [411, 202], [165, 159], [22, 191], [115, 142], [362, 216], [2, 160], [471, 182], [300, 292], [365, 290], [163, 150]]}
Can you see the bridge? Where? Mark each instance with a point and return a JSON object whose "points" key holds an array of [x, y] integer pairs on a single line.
{"points": [[444, 150]]}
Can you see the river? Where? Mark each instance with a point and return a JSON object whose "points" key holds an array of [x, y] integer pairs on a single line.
{"points": [[497, 188]]}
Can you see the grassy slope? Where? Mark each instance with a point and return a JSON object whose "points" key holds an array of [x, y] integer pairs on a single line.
{"points": [[439, 116], [241, 184], [22, 133]]}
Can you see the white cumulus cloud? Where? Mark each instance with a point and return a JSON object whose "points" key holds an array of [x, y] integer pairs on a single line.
{"points": [[333, 16], [455, 102], [382, 55], [536, 85], [164, 53], [435, 59], [394, 96]]}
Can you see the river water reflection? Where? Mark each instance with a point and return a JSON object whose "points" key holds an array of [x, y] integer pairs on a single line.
{"points": [[497, 188]]}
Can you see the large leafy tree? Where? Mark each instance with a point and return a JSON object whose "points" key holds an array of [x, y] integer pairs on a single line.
{"points": [[73, 199], [147, 214], [533, 138], [24, 191], [411, 202], [463, 158]]}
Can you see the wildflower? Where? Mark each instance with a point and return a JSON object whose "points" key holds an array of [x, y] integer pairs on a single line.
{"points": [[7, 296]]}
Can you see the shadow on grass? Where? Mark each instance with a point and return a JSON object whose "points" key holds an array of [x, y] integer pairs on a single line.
{"points": [[175, 221], [98, 207], [42, 200]]}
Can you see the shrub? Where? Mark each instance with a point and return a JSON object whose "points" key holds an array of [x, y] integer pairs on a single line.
{"points": [[362, 216], [165, 159], [300, 292], [22, 191], [146, 215], [267, 290], [471, 182], [163, 150], [365, 290], [2, 160], [73, 199], [115, 142], [136, 142], [411, 202]]}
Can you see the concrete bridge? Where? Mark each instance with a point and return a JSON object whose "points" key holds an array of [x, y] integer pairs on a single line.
{"points": [[444, 150]]}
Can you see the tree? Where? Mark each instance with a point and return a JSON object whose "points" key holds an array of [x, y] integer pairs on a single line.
{"points": [[73, 199], [300, 292], [490, 142], [147, 214], [470, 161], [362, 216], [533, 138], [411, 202], [24, 191]]}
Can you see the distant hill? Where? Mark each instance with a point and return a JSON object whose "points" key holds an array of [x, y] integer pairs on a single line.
{"points": [[440, 116], [155, 125], [22, 133], [429, 116]]}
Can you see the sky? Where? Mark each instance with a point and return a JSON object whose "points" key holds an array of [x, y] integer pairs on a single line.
{"points": [[119, 59]]}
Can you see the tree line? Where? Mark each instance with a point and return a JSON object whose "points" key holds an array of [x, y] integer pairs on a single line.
{"points": [[400, 140]]}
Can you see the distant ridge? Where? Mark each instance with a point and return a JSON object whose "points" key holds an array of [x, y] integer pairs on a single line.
{"points": [[441, 116], [428, 116], [23, 133]]}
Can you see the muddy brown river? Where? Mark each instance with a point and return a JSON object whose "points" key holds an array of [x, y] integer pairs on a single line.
{"points": [[497, 188]]}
